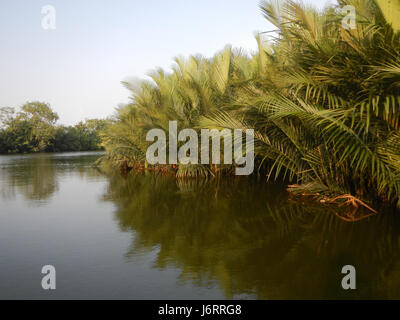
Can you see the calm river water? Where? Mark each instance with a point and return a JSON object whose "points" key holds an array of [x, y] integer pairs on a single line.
{"points": [[149, 237]]}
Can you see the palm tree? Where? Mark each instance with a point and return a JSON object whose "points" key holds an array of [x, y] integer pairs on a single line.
{"points": [[323, 100], [326, 107]]}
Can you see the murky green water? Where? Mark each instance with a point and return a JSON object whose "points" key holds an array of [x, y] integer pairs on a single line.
{"points": [[148, 237]]}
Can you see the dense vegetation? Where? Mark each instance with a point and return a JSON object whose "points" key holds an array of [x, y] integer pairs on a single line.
{"points": [[324, 102], [34, 129]]}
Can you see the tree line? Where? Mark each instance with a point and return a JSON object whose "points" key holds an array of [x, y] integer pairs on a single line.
{"points": [[34, 128]]}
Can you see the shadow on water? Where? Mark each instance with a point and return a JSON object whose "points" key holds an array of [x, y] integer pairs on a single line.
{"points": [[249, 238]]}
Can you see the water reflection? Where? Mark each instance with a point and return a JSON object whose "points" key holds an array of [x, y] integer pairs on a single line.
{"points": [[252, 241], [237, 236], [37, 177]]}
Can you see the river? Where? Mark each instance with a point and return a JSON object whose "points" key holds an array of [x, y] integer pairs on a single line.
{"points": [[145, 236]]}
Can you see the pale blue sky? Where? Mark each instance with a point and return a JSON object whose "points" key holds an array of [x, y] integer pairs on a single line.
{"points": [[78, 67]]}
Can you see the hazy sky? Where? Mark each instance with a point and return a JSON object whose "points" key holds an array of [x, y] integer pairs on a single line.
{"points": [[78, 67]]}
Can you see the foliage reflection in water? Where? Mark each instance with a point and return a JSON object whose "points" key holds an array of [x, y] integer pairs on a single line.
{"points": [[234, 238], [249, 237]]}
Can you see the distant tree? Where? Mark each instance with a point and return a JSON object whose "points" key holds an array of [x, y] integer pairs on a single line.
{"points": [[42, 120], [18, 136], [6, 116], [94, 127], [34, 129], [66, 139], [3, 146]]}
